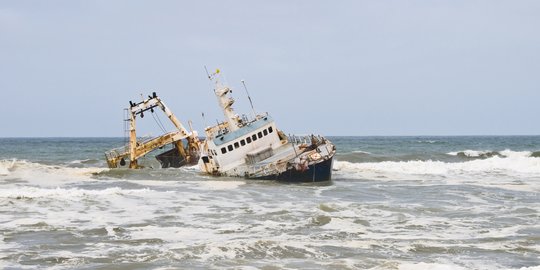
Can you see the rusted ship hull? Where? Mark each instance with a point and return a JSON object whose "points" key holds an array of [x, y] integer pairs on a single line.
{"points": [[173, 159], [318, 172]]}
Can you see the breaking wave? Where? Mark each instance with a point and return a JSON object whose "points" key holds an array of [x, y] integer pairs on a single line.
{"points": [[488, 153], [430, 141], [440, 266], [509, 163], [361, 152], [43, 174], [6, 166], [63, 193]]}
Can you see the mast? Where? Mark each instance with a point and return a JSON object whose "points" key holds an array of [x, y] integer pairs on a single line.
{"points": [[225, 102]]}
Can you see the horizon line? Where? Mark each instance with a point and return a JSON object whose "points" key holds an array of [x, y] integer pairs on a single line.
{"points": [[462, 135]]}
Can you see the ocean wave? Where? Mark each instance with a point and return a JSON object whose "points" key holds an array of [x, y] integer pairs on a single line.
{"points": [[220, 185], [430, 266], [63, 193], [6, 166], [439, 266], [489, 153], [361, 152], [430, 141], [509, 163], [81, 163], [46, 174]]}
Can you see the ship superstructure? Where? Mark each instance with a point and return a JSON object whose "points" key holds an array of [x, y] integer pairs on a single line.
{"points": [[255, 148]]}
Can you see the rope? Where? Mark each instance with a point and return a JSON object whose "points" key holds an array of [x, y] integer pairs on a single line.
{"points": [[158, 122]]}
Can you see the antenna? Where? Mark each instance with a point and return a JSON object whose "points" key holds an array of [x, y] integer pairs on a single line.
{"points": [[204, 120], [249, 97], [207, 74]]}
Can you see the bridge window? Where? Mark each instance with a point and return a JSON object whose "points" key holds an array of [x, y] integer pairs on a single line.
{"points": [[265, 132], [270, 129], [254, 137], [242, 142], [230, 147], [248, 139], [260, 134], [236, 145], [223, 150]]}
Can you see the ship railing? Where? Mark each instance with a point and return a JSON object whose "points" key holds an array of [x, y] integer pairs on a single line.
{"points": [[305, 139], [117, 152], [146, 139], [124, 150]]}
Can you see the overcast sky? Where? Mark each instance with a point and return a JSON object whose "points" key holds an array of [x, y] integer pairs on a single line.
{"points": [[67, 68]]}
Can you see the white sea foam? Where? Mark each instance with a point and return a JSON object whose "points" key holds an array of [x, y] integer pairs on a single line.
{"points": [[79, 161], [510, 153], [6, 166], [201, 224], [362, 152], [530, 268], [221, 184], [63, 193], [428, 266], [514, 163], [480, 153], [427, 141], [469, 153], [516, 171], [42, 174]]}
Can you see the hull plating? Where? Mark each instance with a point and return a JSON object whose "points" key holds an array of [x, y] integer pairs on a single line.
{"points": [[317, 172]]}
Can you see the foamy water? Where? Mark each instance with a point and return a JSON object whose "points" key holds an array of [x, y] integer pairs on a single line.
{"points": [[421, 211], [509, 169]]}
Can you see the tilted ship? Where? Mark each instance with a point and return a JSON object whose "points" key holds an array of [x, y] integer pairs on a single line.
{"points": [[239, 147], [257, 149]]}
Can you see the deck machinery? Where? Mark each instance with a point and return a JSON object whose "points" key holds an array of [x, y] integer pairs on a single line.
{"points": [[181, 154]]}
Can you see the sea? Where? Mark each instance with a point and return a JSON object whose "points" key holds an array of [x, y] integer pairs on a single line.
{"points": [[400, 203]]}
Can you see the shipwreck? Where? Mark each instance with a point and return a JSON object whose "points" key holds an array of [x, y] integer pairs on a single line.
{"points": [[239, 146]]}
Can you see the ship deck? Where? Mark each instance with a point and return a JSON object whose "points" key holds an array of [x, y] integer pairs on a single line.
{"points": [[283, 153], [277, 163]]}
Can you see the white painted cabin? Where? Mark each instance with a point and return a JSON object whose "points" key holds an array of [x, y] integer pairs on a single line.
{"points": [[236, 142]]}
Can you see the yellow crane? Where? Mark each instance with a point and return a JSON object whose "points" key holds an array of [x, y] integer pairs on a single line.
{"points": [[135, 149]]}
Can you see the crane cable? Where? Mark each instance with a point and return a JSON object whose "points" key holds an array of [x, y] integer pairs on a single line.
{"points": [[158, 122]]}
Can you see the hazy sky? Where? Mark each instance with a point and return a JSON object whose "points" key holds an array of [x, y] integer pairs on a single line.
{"points": [[67, 68]]}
